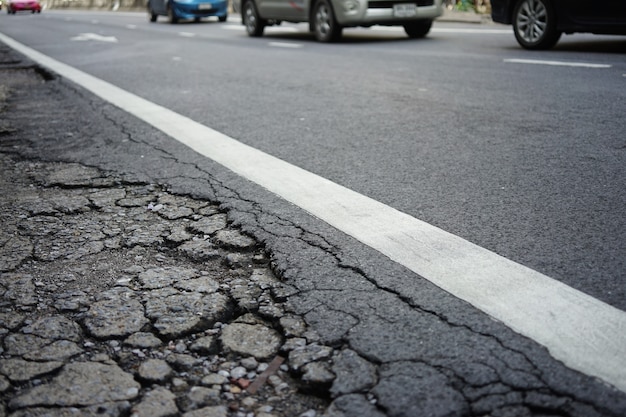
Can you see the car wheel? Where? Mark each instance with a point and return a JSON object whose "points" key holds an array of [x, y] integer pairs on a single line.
{"points": [[325, 25], [151, 15], [222, 18], [171, 15], [418, 28], [254, 24], [534, 24]]}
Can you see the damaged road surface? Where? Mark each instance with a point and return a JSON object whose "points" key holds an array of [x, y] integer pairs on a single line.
{"points": [[141, 279]]}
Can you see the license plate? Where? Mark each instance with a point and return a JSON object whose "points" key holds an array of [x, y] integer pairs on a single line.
{"points": [[405, 10], [205, 6]]}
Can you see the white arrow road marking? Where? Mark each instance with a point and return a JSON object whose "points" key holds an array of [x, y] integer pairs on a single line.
{"points": [[584, 333], [94, 37]]}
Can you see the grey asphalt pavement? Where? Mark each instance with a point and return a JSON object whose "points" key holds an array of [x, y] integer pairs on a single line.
{"points": [[136, 280]]}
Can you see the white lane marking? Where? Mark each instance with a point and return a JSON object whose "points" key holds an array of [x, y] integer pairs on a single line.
{"points": [[267, 29], [467, 31], [187, 34], [285, 45], [556, 63], [131, 26], [94, 37], [473, 31], [582, 332]]}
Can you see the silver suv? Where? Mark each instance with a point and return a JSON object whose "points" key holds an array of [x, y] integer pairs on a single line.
{"points": [[327, 18]]}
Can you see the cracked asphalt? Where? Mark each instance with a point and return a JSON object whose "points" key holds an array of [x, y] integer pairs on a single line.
{"points": [[139, 279]]}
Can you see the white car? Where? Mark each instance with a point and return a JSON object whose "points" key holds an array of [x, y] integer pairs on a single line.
{"points": [[327, 18]]}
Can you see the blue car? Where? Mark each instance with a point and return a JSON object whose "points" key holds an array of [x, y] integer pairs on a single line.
{"points": [[177, 10]]}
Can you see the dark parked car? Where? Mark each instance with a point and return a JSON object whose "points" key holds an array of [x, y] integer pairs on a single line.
{"points": [[538, 24]]}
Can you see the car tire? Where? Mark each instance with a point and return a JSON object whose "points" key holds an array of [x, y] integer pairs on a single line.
{"points": [[251, 19], [151, 15], [222, 18], [418, 28], [325, 26], [171, 15], [534, 24]]}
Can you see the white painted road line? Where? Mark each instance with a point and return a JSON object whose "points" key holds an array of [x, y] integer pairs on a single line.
{"points": [[556, 63], [285, 45], [582, 332], [466, 31]]}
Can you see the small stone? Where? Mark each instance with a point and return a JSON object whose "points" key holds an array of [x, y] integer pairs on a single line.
{"points": [[243, 383], [274, 380], [249, 402], [238, 372], [198, 397], [206, 345], [293, 343], [173, 213], [282, 388], [143, 340], [182, 362], [115, 317], [317, 373], [199, 250], [213, 411], [179, 234], [214, 379], [293, 326], [234, 239], [252, 340], [154, 370], [5, 384], [310, 353], [249, 363], [209, 225], [179, 384], [159, 402]]}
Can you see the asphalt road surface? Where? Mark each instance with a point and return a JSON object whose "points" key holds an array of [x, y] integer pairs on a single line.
{"points": [[522, 159], [520, 153]]}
